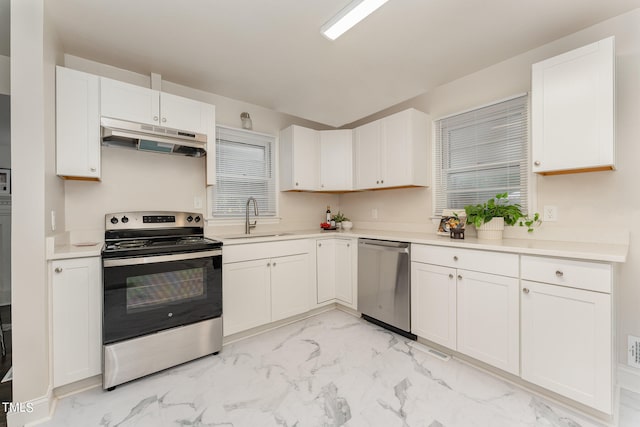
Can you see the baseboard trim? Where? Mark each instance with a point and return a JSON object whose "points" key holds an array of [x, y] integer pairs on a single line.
{"points": [[629, 378], [42, 410]]}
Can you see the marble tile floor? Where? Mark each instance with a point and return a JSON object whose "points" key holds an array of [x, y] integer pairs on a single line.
{"points": [[329, 370]]}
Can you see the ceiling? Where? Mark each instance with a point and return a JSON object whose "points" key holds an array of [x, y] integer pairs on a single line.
{"points": [[271, 52]]}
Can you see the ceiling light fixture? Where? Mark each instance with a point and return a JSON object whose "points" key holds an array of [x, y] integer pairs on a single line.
{"points": [[353, 13]]}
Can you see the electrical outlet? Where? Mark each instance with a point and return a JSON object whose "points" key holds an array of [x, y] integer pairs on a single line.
{"points": [[550, 213], [633, 356], [374, 213], [197, 202]]}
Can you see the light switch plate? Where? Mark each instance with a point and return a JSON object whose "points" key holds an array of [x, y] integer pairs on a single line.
{"points": [[197, 202]]}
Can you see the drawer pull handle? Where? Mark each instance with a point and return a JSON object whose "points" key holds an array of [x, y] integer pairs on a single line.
{"points": [[455, 258], [459, 277], [58, 270], [559, 273], [450, 276], [525, 290]]}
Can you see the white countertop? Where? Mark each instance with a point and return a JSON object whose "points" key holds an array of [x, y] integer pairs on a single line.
{"points": [[78, 250], [577, 250]]}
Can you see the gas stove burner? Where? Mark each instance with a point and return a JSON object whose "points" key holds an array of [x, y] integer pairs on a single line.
{"points": [[129, 244]]}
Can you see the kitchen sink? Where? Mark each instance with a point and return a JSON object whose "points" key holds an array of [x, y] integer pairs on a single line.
{"points": [[256, 235]]}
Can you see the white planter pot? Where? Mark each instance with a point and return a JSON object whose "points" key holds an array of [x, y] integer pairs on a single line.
{"points": [[491, 230], [347, 225]]}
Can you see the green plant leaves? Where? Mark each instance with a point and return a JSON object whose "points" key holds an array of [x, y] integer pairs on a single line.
{"points": [[500, 207]]}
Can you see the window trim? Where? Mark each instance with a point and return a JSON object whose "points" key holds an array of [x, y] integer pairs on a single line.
{"points": [[225, 222], [532, 178]]}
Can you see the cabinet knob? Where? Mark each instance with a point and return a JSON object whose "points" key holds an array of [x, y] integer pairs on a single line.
{"points": [[296, 184], [455, 258], [536, 163], [92, 169], [450, 276], [559, 273], [58, 270], [274, 264], [382, 181], [164, 120], [155, 118], [459, 277], [377, 182], [348, 245], [268, 264], [319, 245], [321, 185], [525, 290]]}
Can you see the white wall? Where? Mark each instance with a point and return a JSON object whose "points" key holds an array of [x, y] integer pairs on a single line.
{"points": [[29, 291], [600, 199], [142, 181]]}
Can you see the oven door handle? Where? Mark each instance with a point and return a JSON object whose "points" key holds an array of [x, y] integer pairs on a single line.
{"points": [[160, 258]]}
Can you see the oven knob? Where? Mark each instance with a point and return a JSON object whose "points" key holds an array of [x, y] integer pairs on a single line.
{"points": [[197, 219], [189, 218], [114, 220], [125, 220]]}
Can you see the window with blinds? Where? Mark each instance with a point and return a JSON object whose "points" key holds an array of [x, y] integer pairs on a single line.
{"points": [[481, 153], [244, 168]]}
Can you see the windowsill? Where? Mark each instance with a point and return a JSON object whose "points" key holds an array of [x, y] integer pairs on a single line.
{"points": [[220, 222]]}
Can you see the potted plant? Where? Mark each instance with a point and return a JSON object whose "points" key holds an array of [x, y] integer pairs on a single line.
{"points": [[345, 222], [490, 217]]}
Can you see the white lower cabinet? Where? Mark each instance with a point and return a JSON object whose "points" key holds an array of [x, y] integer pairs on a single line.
{"points": [[433, 303], [246, 295], [488, 319], [473, 312], [337, 267], [259, 291], [76, 292], [567, 333]]}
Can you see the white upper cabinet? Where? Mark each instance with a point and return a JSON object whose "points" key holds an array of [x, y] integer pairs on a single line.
{"points": [[77, 124], [393, 151], [120, 100], [336, 160], [138, 104], [573, 110], [299, 159]]}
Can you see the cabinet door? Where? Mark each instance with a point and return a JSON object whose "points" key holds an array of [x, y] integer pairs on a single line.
{"points": [[326, 270], [185, 114], [396, 149], [488, 319], [573, 110], [290, 286], [77, 124], [336, 160], [367, 140], [566, 342], [125, 101], [77, 319], [246, 295], [305, 158], [345, 270], [433, 303]]}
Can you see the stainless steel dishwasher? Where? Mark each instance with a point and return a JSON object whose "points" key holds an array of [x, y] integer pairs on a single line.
{"points": [[384, 291]]}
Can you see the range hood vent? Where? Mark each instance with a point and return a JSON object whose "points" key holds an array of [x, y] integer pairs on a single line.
{"points": [[157, 139]]}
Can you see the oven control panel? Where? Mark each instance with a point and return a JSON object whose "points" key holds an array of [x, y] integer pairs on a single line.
{"points": [[150, 220]]}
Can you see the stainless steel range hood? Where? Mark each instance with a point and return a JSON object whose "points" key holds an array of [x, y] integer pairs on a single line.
{"points": [[144, 137]]}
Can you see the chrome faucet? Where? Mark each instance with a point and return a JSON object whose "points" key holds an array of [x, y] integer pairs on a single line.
{"points": [[247, 225]]}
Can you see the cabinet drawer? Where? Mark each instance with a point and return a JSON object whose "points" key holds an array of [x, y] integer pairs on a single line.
{"points": [[253, 251], [468, 259], [592, 276]]}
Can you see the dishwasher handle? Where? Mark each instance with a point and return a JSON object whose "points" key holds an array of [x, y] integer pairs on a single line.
{"points": [[384, 245]]}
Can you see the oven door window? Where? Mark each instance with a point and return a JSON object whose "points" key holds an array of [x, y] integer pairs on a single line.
{"points": [[149, 297]]}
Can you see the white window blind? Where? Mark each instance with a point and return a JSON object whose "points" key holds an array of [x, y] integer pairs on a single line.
{"points": [[244, 168], [481, 153]]}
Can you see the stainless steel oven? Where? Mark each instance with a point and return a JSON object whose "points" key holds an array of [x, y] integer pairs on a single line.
{"points": [[162, 288]]}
